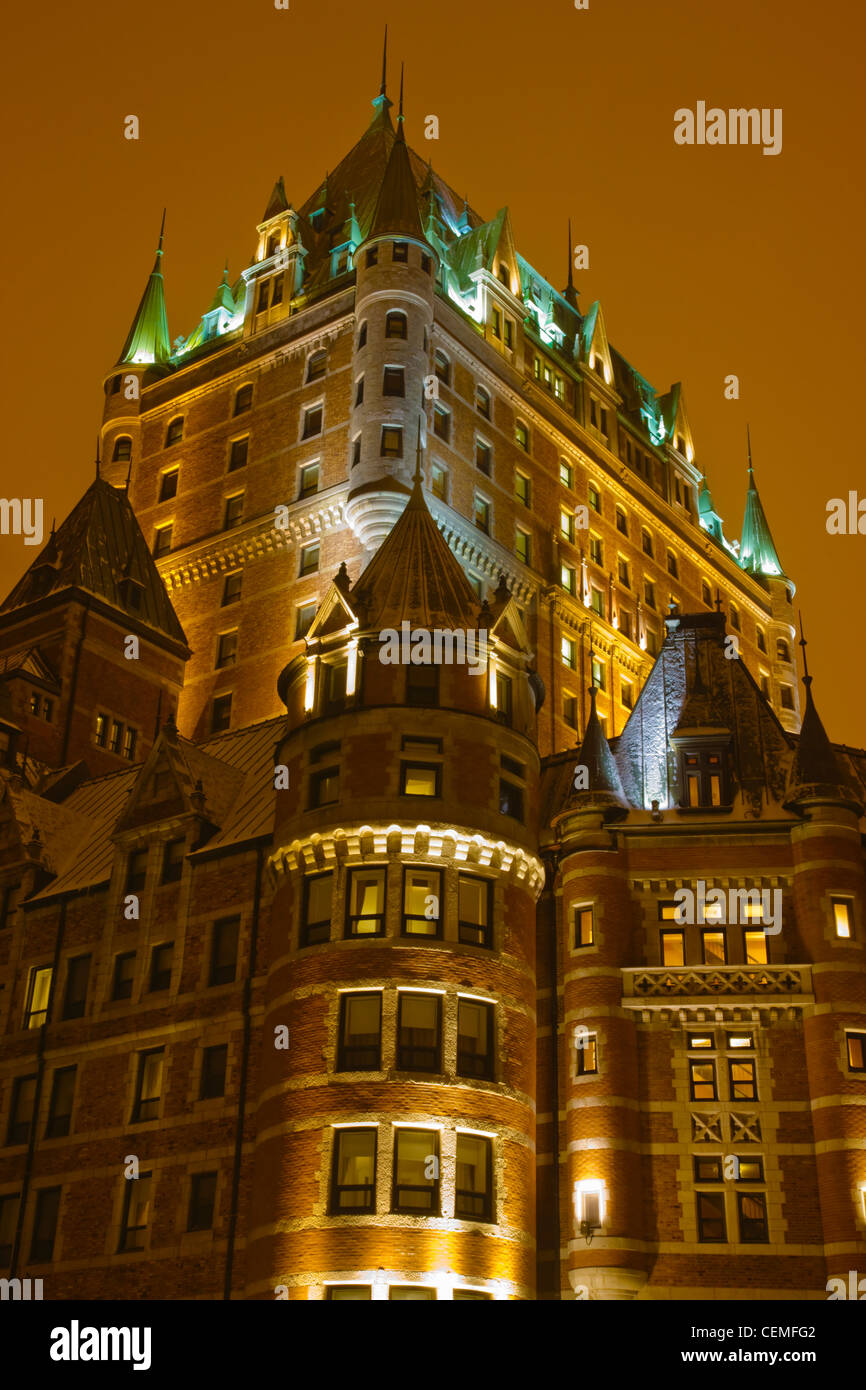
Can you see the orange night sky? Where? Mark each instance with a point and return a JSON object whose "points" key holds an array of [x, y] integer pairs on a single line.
{"points": [[707, 260]]}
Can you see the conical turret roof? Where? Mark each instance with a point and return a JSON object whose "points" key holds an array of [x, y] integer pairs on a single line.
{"points": [[816, 774], [397, 210], [757, 551], [147, 342]]}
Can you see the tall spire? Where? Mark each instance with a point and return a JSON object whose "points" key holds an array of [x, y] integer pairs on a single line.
{"points": [[381, 102], [400, 117], [397, 210], [816, 774], [383, 89], [570, 292], [757, 550], [147, 342]]}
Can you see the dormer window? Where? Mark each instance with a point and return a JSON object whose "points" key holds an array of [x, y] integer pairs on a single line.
{"points": [[704, 777], [273, 244]]}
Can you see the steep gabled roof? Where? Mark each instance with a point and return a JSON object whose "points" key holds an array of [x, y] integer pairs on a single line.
{"points": [[414, 576], [278, 202], [98, 549]]}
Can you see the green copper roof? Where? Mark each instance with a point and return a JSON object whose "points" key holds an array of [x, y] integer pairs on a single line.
{"points": [[223, 299], [757, 551], [147, 341]]}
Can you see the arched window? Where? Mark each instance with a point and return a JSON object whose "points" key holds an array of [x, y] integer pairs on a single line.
{"points": [[122, 449], [395, 324], [174, 431], [783, 651]]}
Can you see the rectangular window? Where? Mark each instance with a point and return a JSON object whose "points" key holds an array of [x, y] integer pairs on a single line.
{"points": [[755, 947], [400, 251], [702, 1080], [568, 578], [366, 900], [752, 1215], [264, 295], [439, 482], [567, 652], [161, 963], [420, 779], [509, 333], [646, 543], [38, 993], [523, 546], [673, 948], [483, 456], [596, 602], [221, 713], [243, 399], [855, 1046], [393, 382], [392, 442], [707, 1169], [714, 948], [148, 1090], [744, 1082], [124, 973], [309, 559], [317, 909], [45, 1224], [566, 524], [504, 698], [172, 861], [21, 1110], [325, 781], [202, 1199], [442, 422], [353, 1180], [596, 550], [510, 799], [569, 710], [481, 514], [422, 899], [360, 1037], [673, 567], [740, 1040], [473, 910], [224, 951], [522, 488], [587, 1055], [584, 932], [213, 1072], [750, 1170], [304, 616], [422, 685], [136, 871], [60, 1105], [416, 1171], [621, 521], [308, 480], [312, 421], [77, 975], [100, 736], [234, 512], [626, 692], [566, 473], [136, 1211], [168, 485], [701, 1041], [841, 917], [8, 1223], [238, 454], [711, 1217], [419, 1032], [594, 498], [473, 1199], [162, 541], [351, 1293], [475, 1039]]}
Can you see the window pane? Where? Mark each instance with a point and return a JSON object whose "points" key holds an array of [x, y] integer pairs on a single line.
{"points": [[474, 1039], [360, 1033], [416, 1153], [366, 902], [473, 1178], [355, 1169], [421, 902], [418, 1032]]}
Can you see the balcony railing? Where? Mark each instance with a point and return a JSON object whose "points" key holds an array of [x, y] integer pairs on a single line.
{"points": [[661, 983]]}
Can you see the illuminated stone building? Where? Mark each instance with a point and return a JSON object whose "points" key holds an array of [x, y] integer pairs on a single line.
{"points": [[327, 974]]}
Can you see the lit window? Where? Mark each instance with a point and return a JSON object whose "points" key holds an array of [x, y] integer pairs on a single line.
{"points": [[755, 947], [711, 1217], [714, 947], [740, 1041], [587, 1055], [38, 991], [673, 949], [752, 1212], [594, 498], [353, 1182], [584, 934], [392, 442], [596, 550], [122, 449], [744, 1085], [475, 1039], [481, 514], [568, 653], [702, 1080], [482, 401], [522, 489], [416, 1172], [366, 899], [419, 779], [349, 1293], [474, 1187], [855, 1045], [419, 1032], [596, 602], [422, 902], [783, 651], [309, 480], [566, 524], [473, 909], [566, 473], [360, 1037]]}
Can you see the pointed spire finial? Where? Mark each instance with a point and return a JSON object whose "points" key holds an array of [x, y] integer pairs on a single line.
{"points": [[417, 475], [161, 240], [97, 456], [749, 447], [807, 679], [570, 260], [400, 116], [382, 89]]}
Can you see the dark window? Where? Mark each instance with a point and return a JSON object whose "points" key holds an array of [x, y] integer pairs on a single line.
{"points": [[174, 433], [359, 391], [673, 567], [621, 521], [856, 1050], [587, 1055], [213, 1071], [702, 1080], [172, 861], [422, 685], [162, 541], [325, 786], [362, 335], [786, 695], [743, 1079], [264, 295], [8, 1224], [474, 1188], [707, 1169], [353, 1180], [441, 422], [312, 421], [400, 251], [224, 951], [309, 480], [373, 255], [569, 710], [234, 512], [277, 292], [348, 1293], [317, 909], [124, 973], [393, 382], [473, 910], [419, 1032], [221, 713], [309, 559], [762, 641], [202, 1198], [116, 736], [238, 453], [161, 961], [227, 649], [45, 1224], [11, 899], [243, 399], [504, 701], [148, 1090], [510, 799], [482, 401], [392, 442], [422, 902], [395, 324], [442, 367], [304, 615], [317, 365], [60, 1105], [752, 1213], [416, 1171], [77, 975], [122, 449], [360, 1038], [475, 1038], [425, 263], [168, 485], [366, 902], [136, 1211], [136, 871], [232, 588], [584, 934], [130, 737], [711, 1217], [21, 1110]]}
